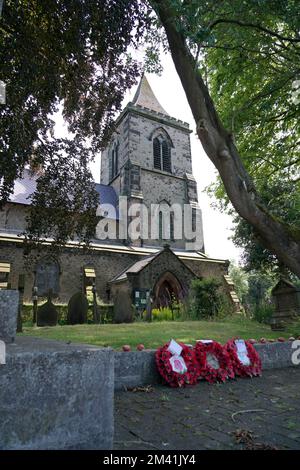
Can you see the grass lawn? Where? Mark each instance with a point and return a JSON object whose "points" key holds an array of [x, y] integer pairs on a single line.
{"points": [[156, 334]]}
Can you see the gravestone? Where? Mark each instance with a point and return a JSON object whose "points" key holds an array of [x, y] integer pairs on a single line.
{"points": [[9, 306], [77, 309], [21, 285], [47, 314], [149, 309], [47, 277], [123, 311], [287, 304]]}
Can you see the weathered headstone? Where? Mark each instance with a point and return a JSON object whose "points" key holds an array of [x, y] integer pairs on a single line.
{"points": [[47, 314], [21, 285], [35, 304], [96, 310], [287, 303], [77, 309], [123, 311], [9, 306], [47, 277], [149, 309]]}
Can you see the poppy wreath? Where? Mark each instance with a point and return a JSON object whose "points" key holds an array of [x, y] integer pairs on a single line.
{"points": [[207, 372], [175, 379], [254, 369]]}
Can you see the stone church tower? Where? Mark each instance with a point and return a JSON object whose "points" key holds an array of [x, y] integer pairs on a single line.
{"points": [[148, 160]]}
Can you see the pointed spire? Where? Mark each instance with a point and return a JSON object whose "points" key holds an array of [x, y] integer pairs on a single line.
{"points": [[145, 97]]}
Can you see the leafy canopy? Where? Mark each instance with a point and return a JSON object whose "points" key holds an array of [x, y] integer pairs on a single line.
{"points": [[249, 52], [73, 56]]}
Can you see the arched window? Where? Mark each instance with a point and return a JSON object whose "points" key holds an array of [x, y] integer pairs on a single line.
{"points": [[161, 154], [172, 226], [114, 160], [194, 219], [160, 226], [166, 156], [156, 154], [166, 222]]}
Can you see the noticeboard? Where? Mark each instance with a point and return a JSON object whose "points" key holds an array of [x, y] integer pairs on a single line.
{"points": [[140, 298]]}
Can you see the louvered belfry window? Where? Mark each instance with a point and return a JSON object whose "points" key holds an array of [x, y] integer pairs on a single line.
{"points": [[166, 156], [156, 154], [161, 154]]}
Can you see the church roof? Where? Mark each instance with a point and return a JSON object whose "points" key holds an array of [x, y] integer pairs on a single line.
{"points": [[141, 264], [145, 97], [24, 188], [134, 268]]}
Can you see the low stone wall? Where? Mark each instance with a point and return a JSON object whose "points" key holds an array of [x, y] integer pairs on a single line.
{"points": [[138, 368], [55, 395], [275, 355], [135, 368]]}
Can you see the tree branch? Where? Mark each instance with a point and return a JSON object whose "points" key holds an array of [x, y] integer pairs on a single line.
{"points": [[254, 26]]}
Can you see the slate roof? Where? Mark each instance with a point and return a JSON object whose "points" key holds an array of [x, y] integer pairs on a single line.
{"points": [[145, 97], [141, 264], [24, 187], [135, 268]]}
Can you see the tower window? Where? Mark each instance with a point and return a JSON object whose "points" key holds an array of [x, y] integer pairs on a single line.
{"points": [[172, 226], [161, 154], [166, 156], [194, 219], [114, 161], [160, 226], [156, 154], [166, 222]]}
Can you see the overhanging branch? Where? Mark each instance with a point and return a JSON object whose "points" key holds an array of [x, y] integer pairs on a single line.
{"points": [[254, 26]]}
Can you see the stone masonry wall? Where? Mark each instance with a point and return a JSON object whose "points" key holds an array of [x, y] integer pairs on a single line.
{"points": [[159, 187], [122, 136], [141, 129], [166, 261], [12, 218], [107, 265]]}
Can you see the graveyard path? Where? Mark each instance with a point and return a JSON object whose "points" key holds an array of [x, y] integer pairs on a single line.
{"points": [[261, 411]]}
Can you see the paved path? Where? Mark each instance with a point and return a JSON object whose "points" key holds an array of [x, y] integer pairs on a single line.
{"points": [[207, 416]]}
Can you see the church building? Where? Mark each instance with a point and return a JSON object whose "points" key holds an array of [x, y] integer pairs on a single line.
{"points": [[146, 171]]}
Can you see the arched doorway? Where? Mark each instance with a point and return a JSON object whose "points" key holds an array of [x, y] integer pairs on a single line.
{"points": [[167, 290]]}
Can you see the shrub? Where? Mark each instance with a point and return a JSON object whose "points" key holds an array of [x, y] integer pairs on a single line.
{"points": [[206, 298], [263, 312]]}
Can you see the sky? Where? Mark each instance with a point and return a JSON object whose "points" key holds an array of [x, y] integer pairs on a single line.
{"points": [[217, 225]]}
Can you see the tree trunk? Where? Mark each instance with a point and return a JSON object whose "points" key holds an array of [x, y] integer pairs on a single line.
{"points": [[220, 148]]}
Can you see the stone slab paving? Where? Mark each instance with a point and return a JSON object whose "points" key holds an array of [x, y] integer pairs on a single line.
{"points": [[207, 416]]}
